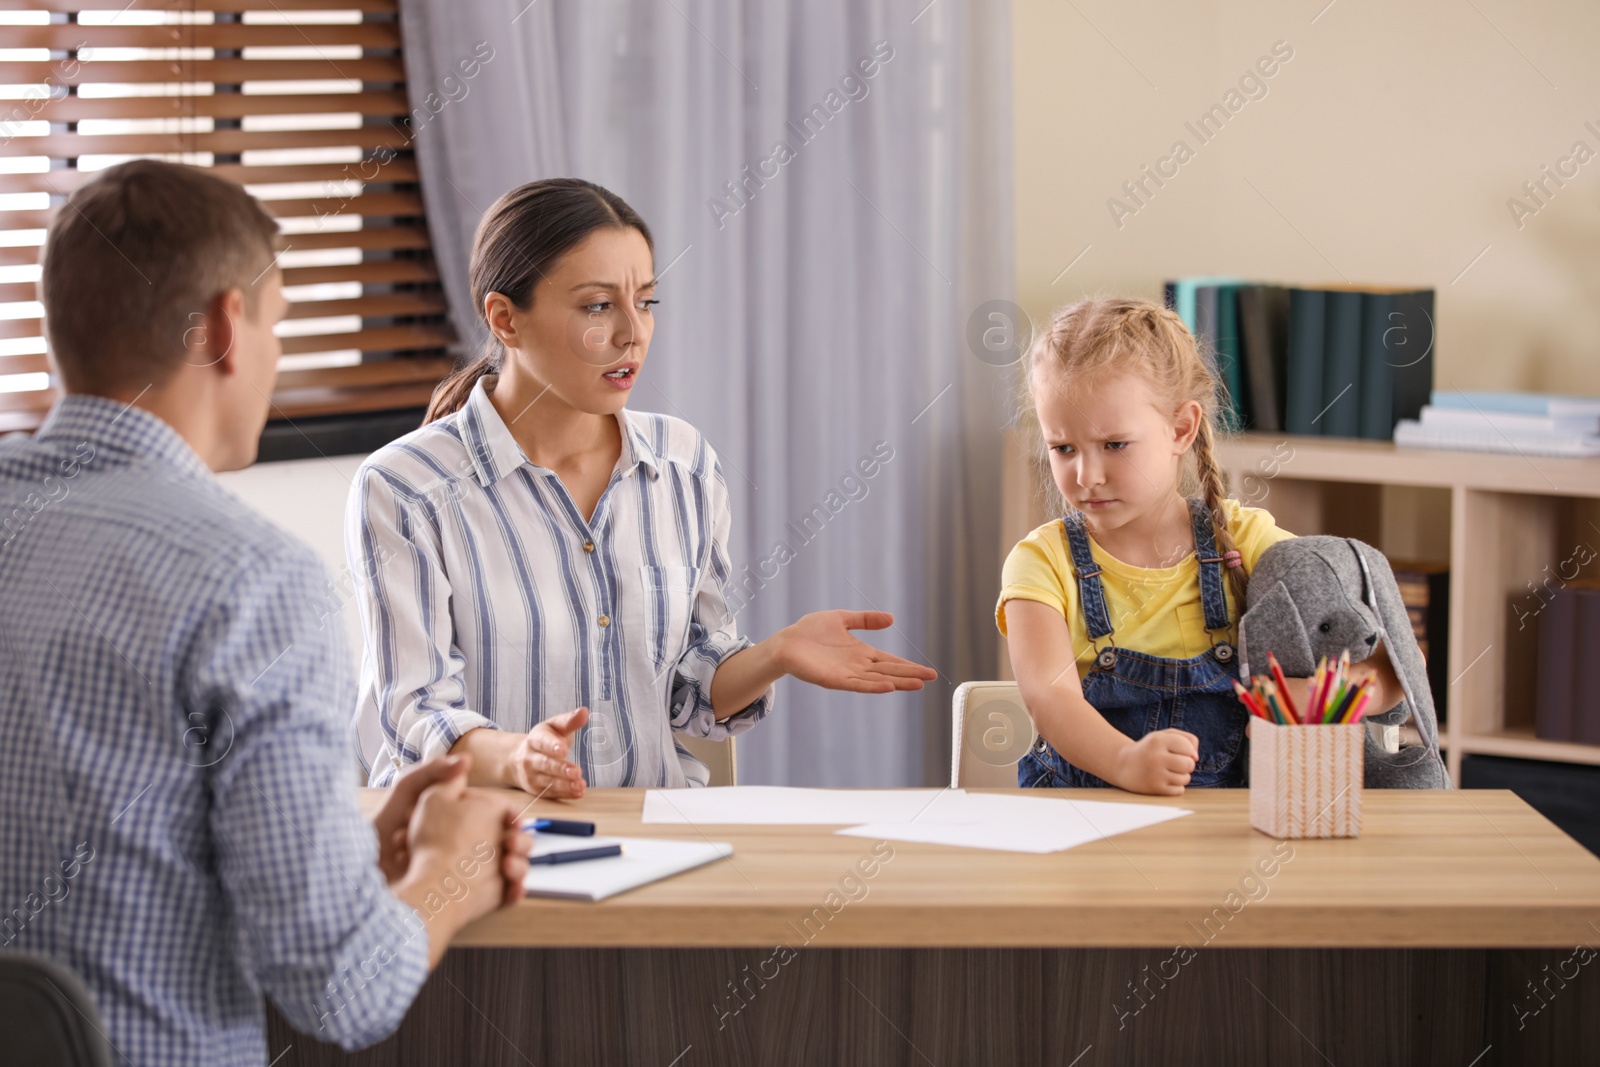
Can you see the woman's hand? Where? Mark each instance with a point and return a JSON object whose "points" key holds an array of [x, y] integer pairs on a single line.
{"points": [[539, 765], [819, 648], [1159, 763]]}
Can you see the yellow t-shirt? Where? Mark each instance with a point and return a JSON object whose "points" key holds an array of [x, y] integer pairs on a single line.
{"points": [[1153, 610]]}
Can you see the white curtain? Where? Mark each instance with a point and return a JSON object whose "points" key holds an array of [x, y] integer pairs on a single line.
{"points": [[815, 306]]}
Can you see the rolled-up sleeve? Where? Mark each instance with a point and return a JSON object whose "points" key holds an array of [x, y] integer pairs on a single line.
{"points": [[413, 668], [315, 922], [713, 635]]}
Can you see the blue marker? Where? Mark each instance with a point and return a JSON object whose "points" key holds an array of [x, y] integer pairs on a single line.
{"points": [[573, 855], [569, 827]]}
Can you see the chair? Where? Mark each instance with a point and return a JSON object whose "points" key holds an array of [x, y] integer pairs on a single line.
{"points": [[46, 1016], [991, 732], [718, 756]]}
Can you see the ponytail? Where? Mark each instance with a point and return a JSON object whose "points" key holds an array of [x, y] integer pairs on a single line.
{"points": [[521, 237], [450, 395]]}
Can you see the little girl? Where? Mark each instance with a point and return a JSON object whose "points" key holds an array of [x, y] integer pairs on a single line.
{"points": [[1122, 616]]}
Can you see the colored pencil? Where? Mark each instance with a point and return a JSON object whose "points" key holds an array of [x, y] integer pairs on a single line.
{"points": [[1283, 688], [1249, 701], [1313, 688]]}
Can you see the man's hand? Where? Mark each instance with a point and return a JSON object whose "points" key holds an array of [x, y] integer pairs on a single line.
{"points": [[539, 763], [395, 815], [1159, 763], [467, 858]]}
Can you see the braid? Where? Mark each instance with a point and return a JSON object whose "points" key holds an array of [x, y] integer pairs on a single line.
{"points": [[1213, 490]]}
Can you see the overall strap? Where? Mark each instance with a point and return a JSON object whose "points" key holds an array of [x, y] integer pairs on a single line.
{"points": [[1212, 597], [1091, 594]]}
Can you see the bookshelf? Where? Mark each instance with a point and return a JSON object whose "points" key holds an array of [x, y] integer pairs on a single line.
{"points": [[1503, 523]]}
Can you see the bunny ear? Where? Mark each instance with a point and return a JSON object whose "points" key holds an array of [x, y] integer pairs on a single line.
{"points": [[1273, 624], [1400, 640]]}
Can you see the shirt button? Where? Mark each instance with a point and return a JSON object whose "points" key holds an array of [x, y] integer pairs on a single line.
{"points": [[588, 546], [605, 620]]}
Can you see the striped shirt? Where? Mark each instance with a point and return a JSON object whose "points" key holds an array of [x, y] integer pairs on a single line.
{"points": [[178, 821], [488, 600]]}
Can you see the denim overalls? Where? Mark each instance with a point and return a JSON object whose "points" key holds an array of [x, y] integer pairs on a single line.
{"points": [[1139, 693]]}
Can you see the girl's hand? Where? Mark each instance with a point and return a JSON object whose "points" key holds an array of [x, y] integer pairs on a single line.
{"points": [[1159, 763], [819, 648], [539, 763]]}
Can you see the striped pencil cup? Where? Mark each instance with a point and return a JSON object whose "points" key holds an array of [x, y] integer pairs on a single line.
{"points": [[1305, 781]]}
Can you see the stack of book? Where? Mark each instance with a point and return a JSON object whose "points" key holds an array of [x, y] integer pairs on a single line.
{"points": [[1533, 423], [1333, 361], [1425, 591], [1568, 686]]}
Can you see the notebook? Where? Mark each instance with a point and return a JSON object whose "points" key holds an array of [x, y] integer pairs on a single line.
{"points": [[643, 860]]}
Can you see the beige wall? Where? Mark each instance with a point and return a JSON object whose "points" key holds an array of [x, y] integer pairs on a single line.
{"points": [[1384, 151], [307, 498]]}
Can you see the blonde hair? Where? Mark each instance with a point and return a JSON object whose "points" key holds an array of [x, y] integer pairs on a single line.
{"points": [[1100, 336]]}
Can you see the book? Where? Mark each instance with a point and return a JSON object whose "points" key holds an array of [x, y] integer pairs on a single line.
{"points": [[1413, 340], [1586, 666], [1340, 414], [1377, 381], [1518, 403], [1557, 667], [1303, 361], [1232, 408], [1425, 592], [1412, 433], [1396, 358], [1183, 301], [1509, 422], [1205, 317], [1264, 340]]}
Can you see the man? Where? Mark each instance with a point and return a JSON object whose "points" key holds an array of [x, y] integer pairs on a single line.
{"points": [[177, 814]]}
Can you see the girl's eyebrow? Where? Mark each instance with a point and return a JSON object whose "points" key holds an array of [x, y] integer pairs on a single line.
{"points": [[1113, 436]]}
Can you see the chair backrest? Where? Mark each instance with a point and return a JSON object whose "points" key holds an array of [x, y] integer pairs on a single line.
{"points": [[991, 731], [718, 756], [46, 1016]]}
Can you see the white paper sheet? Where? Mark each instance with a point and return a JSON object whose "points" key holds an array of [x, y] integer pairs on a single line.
{"points": [[784, 805], [1017, 823], [643, 860]]}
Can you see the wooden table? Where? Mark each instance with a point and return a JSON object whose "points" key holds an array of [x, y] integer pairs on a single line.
{"points": [[1195, 941]]}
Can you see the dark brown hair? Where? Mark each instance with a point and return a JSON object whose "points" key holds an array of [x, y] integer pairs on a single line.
{"points": [[1111, 335], [518, 242], [132, 256]]}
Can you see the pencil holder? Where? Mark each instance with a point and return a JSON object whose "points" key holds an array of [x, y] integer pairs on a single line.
{"points": [[1305, 781]]}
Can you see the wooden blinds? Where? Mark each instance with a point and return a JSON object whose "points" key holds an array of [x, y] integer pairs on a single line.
{"points": [[301, 101]]}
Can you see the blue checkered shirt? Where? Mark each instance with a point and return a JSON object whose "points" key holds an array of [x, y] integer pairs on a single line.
{"points": [[178, 822]]}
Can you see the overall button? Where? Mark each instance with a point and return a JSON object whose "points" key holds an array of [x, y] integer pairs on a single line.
{"points": [[1223, 652], [588, 546], [605, 620], [1107, 659]]}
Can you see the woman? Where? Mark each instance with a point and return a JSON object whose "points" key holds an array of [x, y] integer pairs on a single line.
{"points": [[537, 547]]}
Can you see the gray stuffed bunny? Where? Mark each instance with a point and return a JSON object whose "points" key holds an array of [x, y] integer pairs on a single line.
{"points": [[1311, 597]]}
